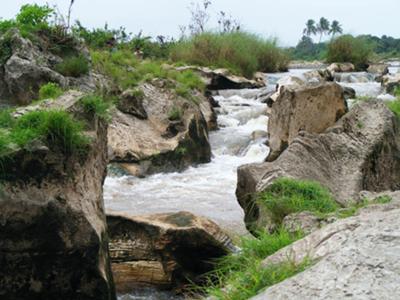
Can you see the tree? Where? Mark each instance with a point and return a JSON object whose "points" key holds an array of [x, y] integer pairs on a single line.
{"points": [[227, 23], [323, 27], [336, 28], [200, 16], [310, 29]]}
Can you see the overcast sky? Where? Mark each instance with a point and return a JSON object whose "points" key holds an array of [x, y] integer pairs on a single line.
{"points": [[284, 19]]}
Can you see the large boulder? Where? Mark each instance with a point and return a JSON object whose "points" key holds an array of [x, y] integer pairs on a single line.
{"points": [[163, 250], [355, 258], [223, 79], [341, 68], [391, 82], [378, 69], [173, 136], [25, 67], [53, 231], [305, 108], [360, 152]]}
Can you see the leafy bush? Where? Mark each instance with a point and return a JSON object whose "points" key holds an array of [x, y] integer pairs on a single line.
{"points": [[241, 276], [5, 49], [75, 66], [241, 52], [50, 91], [94, 104], [286, 196], [347, 48]]}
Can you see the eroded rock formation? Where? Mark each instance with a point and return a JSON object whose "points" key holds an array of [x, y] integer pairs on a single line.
{"points": [[360, 152], [53, 232], [163, 250]]}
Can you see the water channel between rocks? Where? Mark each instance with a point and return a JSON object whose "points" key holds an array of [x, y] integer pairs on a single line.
{"points": [[209, 189]]}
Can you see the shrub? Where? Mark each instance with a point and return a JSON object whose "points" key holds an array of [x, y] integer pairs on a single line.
{"points": [[241, 276], [94, 104], [241, 52], [286, 196], [347, 48], [75, 66], [175, 114], [394, 106], [50, 91], [5, 49]]}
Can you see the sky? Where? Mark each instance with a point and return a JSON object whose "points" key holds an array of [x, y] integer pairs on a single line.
{"points": [[283, 19]]}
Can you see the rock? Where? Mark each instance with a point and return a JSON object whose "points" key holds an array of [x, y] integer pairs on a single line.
{"points": [[159, 144], [391, 82], [355, 258], [378, 69], [28, 67], [341, 68], [208, 111], [163, 250], [222, 79], [304, 221], [349, 93], [306, 65], [360, 152], [305, 108], [131, 102], [53, 232]]}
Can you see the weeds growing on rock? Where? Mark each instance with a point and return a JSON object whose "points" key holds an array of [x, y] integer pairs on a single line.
{"points": [[175, 114], [94, 104], [286, 196], [50, 91], [241, 275], [74, 66]]}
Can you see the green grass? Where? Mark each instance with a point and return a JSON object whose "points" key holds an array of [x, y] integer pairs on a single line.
{"points": [[57, 129], [241, 276], [127, 71], [286, 196], [74, 66], [241, 52], [347, 48], [175, 114], [394, 106], [97, 105], [50, 91]]}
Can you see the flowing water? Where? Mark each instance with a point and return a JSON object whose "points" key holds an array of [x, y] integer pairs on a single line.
{"points": [[209, 189]]}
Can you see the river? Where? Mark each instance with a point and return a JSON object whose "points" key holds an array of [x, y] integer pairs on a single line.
{"points": [[209, 189]]}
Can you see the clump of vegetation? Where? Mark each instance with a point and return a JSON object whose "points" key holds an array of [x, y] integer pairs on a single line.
{"points": [[5, 49], [50, 90], [95, 104], [57, 129], [74, 66], [127, 71], [286, 196], [241, 52], [241, 276], [347, 48], [175, 114], [394, 106]]}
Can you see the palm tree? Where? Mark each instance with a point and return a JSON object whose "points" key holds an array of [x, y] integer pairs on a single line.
{"points": [[323, 26], [310, 28], [336, 28]]}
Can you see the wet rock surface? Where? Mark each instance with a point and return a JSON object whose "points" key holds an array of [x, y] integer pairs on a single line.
{"points": [[163, 250]]}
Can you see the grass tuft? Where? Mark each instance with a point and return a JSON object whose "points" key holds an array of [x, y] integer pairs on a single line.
{"points": [[286, 196], [50, 91], [94, 104], [74, 66]]}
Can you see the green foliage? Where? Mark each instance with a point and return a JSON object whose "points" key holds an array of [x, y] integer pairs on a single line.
{"points": [[6, 119], [394, 106], [50, 91], [241, 52], [5, 49], [351, 49], [175, 114], [286, 196], [94, 104], [241, 276], [74, 66], [34, 15], [55, 128]]}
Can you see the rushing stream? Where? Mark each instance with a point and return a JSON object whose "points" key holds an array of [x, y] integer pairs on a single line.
{"points": [[209, 189]]}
